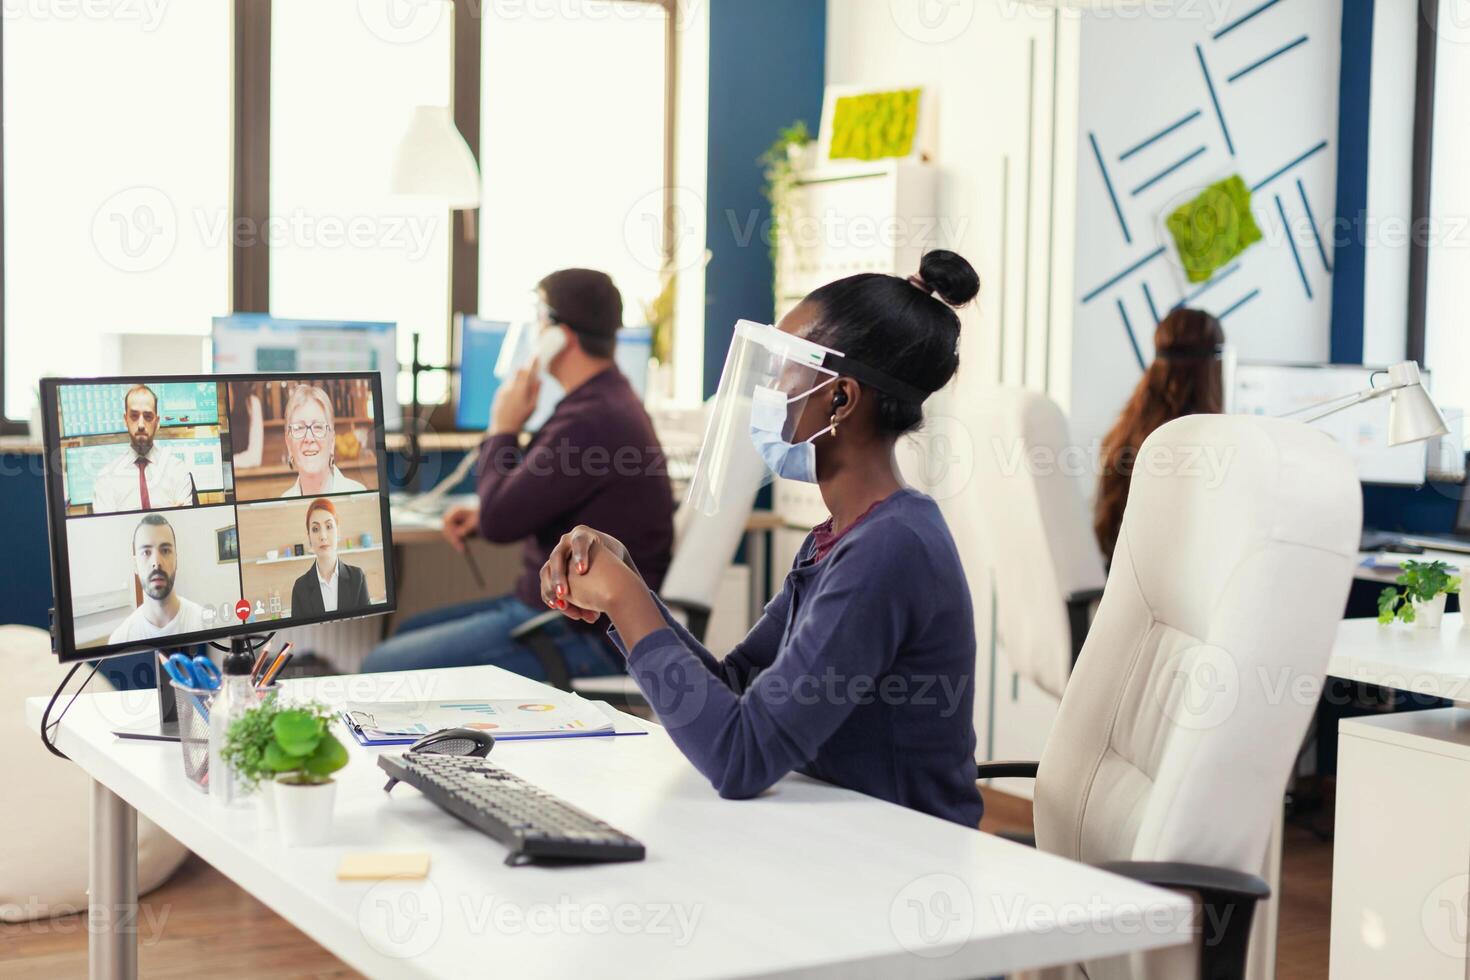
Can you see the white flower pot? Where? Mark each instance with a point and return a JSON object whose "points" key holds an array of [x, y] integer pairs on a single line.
{"points": [[304, 811], [1427, 615]]}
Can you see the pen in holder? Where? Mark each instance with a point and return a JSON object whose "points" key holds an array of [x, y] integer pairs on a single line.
{"points": [[194, 728]]}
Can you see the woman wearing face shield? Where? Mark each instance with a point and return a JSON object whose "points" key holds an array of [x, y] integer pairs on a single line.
{"points": [[311, 445], [1185, 378], [860, 672]]}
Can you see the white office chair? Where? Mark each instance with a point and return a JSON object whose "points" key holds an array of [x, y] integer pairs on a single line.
{"points": [[1047, 569], [1177, 733], [704, 546]]}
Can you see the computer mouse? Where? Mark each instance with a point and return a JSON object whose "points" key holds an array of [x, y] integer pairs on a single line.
{"points": [[456, 741]]}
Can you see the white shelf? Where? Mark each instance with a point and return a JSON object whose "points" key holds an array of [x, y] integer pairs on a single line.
{"points": [[340, 554]]}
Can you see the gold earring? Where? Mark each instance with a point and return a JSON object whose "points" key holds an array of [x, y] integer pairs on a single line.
{"points": [[834, 423]]}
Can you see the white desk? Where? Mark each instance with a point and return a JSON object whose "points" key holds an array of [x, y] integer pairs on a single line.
{"points": [[1400, 894], [809, 880]]}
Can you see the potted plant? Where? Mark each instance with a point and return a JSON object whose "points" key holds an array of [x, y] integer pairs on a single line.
{"points": [[781, 164], [1420, 594], [293, 750]]}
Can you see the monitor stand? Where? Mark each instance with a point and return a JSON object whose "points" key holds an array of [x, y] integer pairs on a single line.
{"points": [[168, 707]]}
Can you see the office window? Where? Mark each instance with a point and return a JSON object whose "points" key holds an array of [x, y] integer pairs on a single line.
{"points": [[345, 77], [571, 148], [1447, 314], [117, 195]]}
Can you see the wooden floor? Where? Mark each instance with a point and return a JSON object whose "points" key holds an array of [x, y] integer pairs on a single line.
{"points": [[185, 927]]}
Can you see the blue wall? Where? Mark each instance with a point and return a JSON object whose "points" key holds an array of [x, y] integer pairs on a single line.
{"points": [[1349, 256], [767, 69]]}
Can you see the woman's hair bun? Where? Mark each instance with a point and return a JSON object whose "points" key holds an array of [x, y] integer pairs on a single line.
{"points": [[950, 277]]}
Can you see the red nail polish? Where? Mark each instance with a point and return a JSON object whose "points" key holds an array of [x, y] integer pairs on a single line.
{"points": [[558, 590], [582, 568], [561, 603]]}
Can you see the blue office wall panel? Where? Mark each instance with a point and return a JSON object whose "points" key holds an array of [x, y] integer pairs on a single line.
{"points": [[767, 64], [25, 575], [1354, 95]]}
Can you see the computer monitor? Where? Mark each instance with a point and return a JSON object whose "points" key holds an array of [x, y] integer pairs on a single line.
{"points": [[490, 351], [479, 343], [245, 343], [188, 509], [1279, 389]]}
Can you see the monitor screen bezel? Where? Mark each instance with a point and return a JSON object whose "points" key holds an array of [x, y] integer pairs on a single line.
{"points": [[56, 517]]}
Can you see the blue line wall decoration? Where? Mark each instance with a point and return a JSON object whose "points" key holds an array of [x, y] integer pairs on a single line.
{"points": [[1108, 183], [1215, 99], [1167, 107], [1132, 151], [1267, 59]]}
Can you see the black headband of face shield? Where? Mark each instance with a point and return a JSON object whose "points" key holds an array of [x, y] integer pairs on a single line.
{"points": [[874, 378], [1190, 353]]}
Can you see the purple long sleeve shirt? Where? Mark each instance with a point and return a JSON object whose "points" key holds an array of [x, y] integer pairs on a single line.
{"points": [[596, 461], [860, 673]]}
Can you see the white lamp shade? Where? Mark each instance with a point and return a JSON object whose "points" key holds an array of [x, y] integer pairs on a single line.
{"points": [[434, 159], [1413, 417]]}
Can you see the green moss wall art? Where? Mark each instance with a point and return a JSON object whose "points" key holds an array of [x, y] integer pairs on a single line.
{"points": [[1213, 228], [875, 125]]}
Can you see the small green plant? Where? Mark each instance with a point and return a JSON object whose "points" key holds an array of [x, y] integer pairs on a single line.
{"points": [[1420, 582], [296, 742], [780, 174]]}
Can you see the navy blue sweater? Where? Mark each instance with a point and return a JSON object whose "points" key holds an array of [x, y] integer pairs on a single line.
{"points": [[860, 673]]}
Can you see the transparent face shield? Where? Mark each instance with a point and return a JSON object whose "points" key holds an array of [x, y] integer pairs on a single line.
{"points": [[768, 377]]}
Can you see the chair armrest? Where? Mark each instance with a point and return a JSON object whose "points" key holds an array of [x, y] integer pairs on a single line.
{"points": [[1001, 770], [1079, 617], [696, 615], [533, 636], [534, 624], [1228, 898]]}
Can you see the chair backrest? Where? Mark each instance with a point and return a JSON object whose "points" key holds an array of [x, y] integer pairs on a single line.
{"points": [[1040, 542], [1188, 706], [705, 544]]}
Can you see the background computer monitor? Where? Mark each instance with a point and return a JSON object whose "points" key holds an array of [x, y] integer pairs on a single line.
{"points": [[1276, 389], [234, 538], [249, 342], [489, 350], [479, 342]]}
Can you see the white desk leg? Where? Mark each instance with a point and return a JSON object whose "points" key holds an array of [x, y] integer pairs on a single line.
{"points": [[112, 913]]}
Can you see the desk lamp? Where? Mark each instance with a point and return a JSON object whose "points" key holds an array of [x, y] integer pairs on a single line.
{"points": [[1412, 414]]}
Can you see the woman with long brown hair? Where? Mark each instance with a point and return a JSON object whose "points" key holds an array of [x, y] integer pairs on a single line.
{"points": [[1184, 379]]}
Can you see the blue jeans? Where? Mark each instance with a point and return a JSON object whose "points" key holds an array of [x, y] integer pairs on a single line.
{"points": [[478, 633]]}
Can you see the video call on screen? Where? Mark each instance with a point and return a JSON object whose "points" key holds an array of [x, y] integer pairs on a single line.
{"points": [[194, 505]]}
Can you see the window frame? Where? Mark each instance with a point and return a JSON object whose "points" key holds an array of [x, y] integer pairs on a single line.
{"points": [[250, 163]]}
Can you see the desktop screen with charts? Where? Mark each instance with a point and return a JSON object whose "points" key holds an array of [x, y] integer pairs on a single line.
{"points": [[193, 508]]}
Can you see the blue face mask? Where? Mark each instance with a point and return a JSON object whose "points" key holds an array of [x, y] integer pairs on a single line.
{"points": [[790, 461]]}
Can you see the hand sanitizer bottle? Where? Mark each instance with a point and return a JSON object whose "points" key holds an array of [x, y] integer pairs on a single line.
{"points": [[236, 695]]}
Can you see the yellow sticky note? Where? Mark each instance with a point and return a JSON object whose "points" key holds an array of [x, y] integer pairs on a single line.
{"points": [[375, 867]]}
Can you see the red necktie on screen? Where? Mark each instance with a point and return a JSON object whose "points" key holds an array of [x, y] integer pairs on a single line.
{"points": [[143, 483]]}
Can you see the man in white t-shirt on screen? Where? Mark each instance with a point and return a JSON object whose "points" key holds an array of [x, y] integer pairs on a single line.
{"points": [[164, 612]]}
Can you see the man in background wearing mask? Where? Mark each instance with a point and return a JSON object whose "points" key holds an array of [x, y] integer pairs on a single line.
{"points": [[595, 461]]}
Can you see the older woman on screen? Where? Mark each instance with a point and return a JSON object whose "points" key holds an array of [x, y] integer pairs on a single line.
{"points": [[330, 585], [311, 445]]}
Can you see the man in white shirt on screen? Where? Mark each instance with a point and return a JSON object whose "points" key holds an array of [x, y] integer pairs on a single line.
{"points": [[156, 562], [144, 477]]}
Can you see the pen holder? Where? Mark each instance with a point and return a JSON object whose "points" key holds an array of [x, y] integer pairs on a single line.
{"points": [[194, 729]]}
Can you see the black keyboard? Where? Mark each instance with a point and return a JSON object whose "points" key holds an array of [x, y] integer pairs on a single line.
{"points": [[535, 825]]}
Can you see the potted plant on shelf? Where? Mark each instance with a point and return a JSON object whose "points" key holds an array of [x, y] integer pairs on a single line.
{"points": [[294, 751], [1419, 596]]}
